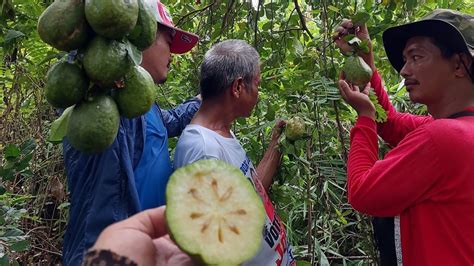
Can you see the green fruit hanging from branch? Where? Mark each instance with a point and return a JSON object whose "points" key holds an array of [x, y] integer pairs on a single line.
{"points": [[93, 124], [66, 84], [295, 129], [63, 25]]}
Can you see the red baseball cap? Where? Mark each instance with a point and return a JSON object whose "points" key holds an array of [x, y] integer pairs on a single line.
{"points": [[183, 41]]}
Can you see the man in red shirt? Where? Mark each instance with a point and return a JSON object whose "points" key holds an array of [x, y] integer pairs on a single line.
{"points": [[427, 180]]}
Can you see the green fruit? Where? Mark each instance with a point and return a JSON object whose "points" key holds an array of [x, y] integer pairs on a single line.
{"points": [[138, 94], [112, 19], [66, 84], [93, 124], [63, 25], [144, 33], [357, 71], [213, 213], [295, 129], [106, 61]]}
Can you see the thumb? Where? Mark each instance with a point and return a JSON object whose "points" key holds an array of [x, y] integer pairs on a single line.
{"points": [[151, 222]]}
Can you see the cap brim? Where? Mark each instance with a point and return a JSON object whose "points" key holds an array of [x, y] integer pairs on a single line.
{"points": [[182, 41], [395, 38]]}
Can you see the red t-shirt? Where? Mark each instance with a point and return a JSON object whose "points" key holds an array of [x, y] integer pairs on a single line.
{"points": [[426, 180]]}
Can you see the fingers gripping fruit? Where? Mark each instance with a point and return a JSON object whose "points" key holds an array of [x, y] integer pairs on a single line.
{"points": [[214, 213]]}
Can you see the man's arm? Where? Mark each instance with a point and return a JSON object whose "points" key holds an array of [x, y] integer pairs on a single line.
{"points": [[403, 178], [178, 118], [268, 166]]}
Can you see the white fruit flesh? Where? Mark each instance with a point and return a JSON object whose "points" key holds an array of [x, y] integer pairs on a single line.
{"points": [[214, 212]]}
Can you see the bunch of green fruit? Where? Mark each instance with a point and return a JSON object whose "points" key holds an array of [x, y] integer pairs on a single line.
{"points": [[100, 79]]}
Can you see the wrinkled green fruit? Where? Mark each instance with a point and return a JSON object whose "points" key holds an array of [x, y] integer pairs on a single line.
{"points": [[106, 61], [144, 33], [63, 25], [357, 71], [93, 124], [295, 129], [214, 214], [66, 84], [112, 19], [138, 94]]}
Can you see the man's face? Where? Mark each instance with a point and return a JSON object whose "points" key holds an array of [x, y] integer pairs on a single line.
{"points": [[157, 57], [249, 96], [428, 75]]}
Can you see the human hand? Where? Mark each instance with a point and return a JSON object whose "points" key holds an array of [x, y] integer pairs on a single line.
{"points": [[144, 239], [347, 27], [359, 100], [277, 130]]}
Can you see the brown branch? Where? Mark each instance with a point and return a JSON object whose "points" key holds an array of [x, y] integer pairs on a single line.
{"points": [[194, 12], [302, 20]]}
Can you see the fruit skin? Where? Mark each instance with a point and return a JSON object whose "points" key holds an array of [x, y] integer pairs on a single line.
{"points": [[66, 84], [144, 33], [138, 95], [295, 129], [93, 124], [112, 19], [106, 61], [357, 71], [63, 25], [177, 187]]}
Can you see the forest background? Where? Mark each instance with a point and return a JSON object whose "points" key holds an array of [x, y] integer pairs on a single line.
{"points": [[300, 66]]}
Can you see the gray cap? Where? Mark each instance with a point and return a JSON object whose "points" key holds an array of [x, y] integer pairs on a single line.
{"points": [[455, 29]]}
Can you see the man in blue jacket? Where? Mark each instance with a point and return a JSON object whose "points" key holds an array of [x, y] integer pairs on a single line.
{"points": [[131, 175]]}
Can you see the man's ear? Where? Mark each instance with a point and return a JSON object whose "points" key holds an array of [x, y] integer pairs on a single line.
{"points": [[237, 87], [463, 65]]}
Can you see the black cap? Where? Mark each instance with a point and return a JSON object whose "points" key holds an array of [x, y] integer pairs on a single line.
{"points": [[455, 29]]}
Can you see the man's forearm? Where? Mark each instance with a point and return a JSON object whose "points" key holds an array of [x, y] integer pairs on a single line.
{"points": [[268, 166]]}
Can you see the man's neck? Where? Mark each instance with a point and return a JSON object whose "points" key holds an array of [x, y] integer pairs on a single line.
{"points": [[457, 100], [217, 115]]}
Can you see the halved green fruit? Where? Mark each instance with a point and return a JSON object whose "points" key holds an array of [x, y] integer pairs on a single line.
{"points": [[214, 213]]}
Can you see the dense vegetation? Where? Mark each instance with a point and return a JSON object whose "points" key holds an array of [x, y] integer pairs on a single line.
{"points": [[299, 68]]}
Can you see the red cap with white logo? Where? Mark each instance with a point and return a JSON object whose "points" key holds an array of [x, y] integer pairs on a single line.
{"points": [[183, 41]]}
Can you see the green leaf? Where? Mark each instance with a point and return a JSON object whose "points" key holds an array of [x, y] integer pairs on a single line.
{"points": [[11, 151], [4, 260], [302, 263], [360, 18], [333, 8], [133, 53], [380, 113], [59, 127], [12, 35], [28, 146], [2, 191], [20, 245]]}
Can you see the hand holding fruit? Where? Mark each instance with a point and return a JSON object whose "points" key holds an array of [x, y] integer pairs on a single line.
{"points": [[359, 100], [360, 31]]}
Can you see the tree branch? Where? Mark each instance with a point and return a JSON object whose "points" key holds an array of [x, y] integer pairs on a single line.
{"points": [[194, 12], [302, 20]]}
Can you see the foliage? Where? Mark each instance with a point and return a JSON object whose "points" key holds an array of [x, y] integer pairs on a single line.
{"points": [[299, 68]]}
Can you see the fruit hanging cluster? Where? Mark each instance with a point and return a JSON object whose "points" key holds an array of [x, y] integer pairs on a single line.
{"points": [[101, 77]]}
